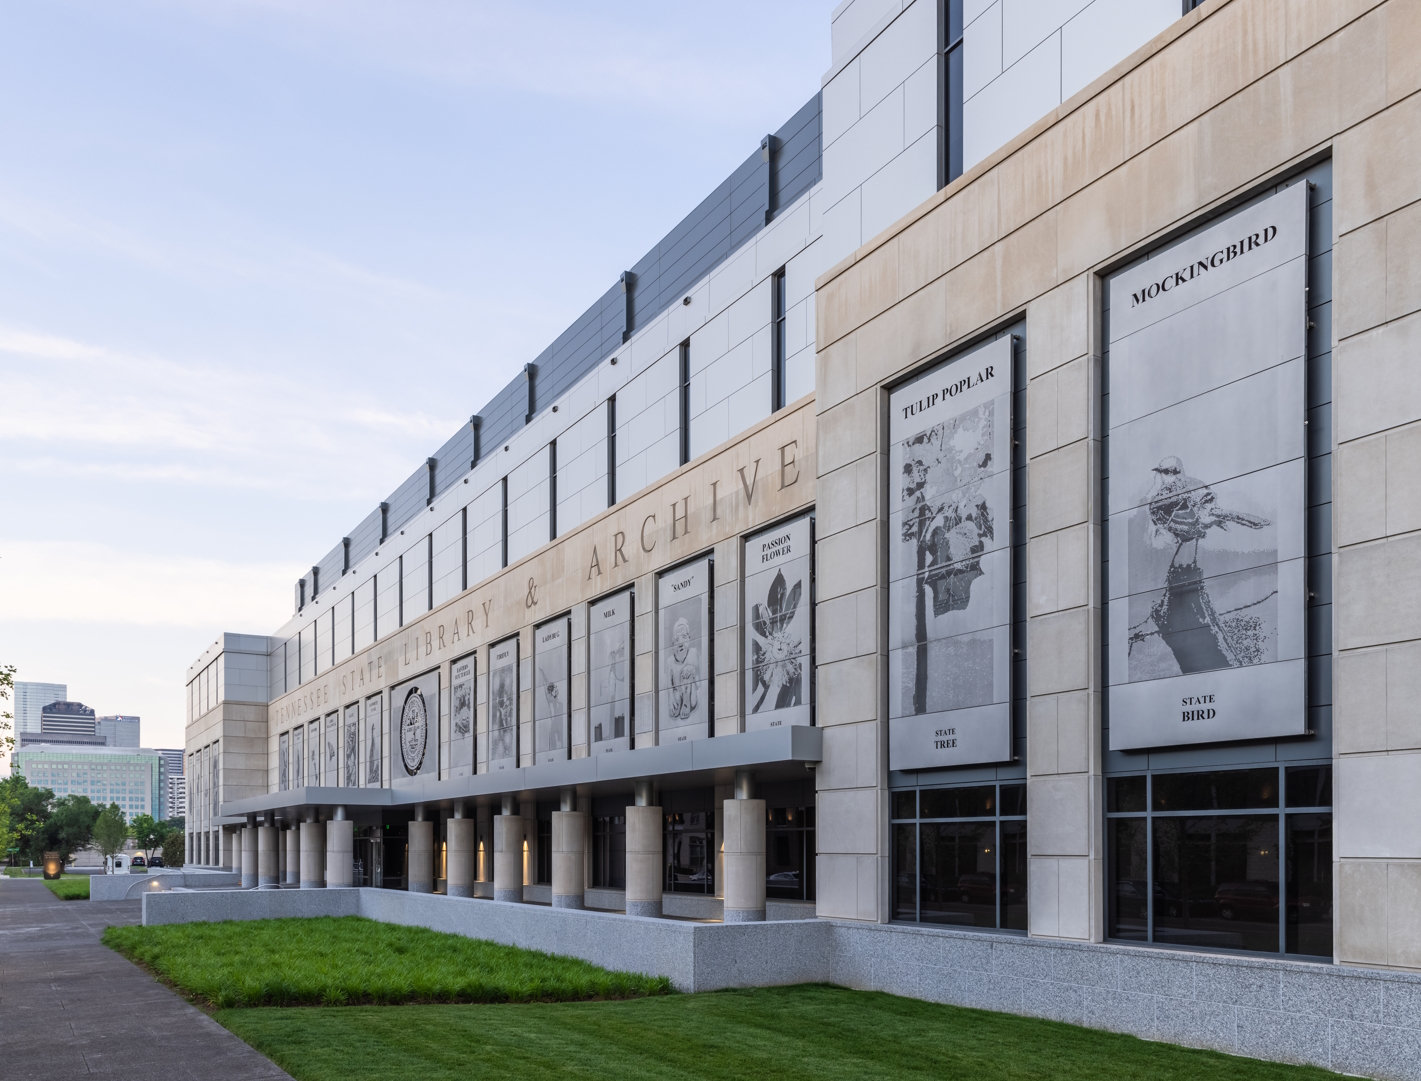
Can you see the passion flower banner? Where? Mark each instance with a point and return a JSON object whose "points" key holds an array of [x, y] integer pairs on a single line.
{"points": [[779, 622]]}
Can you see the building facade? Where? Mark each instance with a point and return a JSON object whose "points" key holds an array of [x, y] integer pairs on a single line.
{"points": [[133, 778], [119, 730], [1065, 601], [30, 700]]}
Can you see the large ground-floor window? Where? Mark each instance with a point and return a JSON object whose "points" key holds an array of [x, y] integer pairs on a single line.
{"points": [[1233, 860], [959, 856]]}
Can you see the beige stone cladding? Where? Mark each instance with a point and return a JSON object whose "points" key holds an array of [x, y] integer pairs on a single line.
{"points": [[1233, 97], [706, 506]]}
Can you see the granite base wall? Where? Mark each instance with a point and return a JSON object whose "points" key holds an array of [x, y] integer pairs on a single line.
{"points": [[121, 887], [1351, 1020], [1357, 1021]]}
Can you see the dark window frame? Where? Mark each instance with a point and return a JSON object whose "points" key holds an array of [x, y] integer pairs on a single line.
{"points": [[898, 823], [778, 388], [1283, 808], [612, 451], [950, 91], [684, 381]]}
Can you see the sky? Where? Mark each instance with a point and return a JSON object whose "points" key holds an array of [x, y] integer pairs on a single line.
{"points": [[259, 259]]}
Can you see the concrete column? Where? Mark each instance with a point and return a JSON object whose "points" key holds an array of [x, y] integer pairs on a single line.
{"points": [[744, 860], [645, 860], [508, 856], [268, 856], [249, 856], [340, 848], [313, 855], [231, 860], [421, 854], [569, 851], [463, 854], [291, 862]]}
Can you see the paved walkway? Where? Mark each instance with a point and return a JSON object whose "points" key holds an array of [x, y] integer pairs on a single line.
{"points": [[70, 1007]]}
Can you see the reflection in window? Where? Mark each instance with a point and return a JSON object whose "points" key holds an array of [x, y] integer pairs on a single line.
{"points": [[962, 862], [1251, 876]]}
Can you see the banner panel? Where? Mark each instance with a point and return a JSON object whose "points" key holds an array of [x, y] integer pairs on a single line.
{"points": [[374, 741], [463, 680], [685, 609], [949, 562], [778, 632], [350, 744], [331, 753], [503, 705], [313, 754], [283, 763], [1207, 507], [611, 648], [298, 756], [551, 731], [414, 717]]}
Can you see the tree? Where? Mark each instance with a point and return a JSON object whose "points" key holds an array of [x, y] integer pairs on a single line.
{"points": [[175, 848], [70, 825], [146, 831], [7, 744], [28, 809], [110, 831], [7, 684]]}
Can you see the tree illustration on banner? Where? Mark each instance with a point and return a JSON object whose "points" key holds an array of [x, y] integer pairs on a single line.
{"points": [[947, 519]]}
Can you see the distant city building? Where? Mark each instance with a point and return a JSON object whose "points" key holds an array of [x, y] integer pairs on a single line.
{"points": [[176, 782], [120, 731], [134, 778], [30, 700], [68, 719], [177, 797]]}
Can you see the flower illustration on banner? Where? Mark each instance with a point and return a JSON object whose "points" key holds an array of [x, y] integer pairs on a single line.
{"points": [[776, 650], [550, 692]]}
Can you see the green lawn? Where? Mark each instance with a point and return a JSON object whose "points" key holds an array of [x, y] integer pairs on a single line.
{"points": [[338, 962], [70, 887], [405, 1004], [791, 1033], [66, 887]]}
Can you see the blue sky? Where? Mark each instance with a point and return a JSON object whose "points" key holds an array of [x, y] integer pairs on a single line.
{"points": [[247, 248]]}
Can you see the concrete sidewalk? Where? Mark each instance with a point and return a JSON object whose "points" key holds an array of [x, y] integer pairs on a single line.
{"points": [[70, 1007]]}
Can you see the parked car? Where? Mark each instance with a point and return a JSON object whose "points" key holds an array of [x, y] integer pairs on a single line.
{"points": [[978, 887], [1253, 899], [138, 861], [156, 861]]}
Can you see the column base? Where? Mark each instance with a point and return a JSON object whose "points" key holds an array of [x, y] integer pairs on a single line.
{"points": [[514, 897], [648, 909], [744, 915], [249, 882], [309, 885], [421, 887], [459, 891], [268, 880], [570, 900]]}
